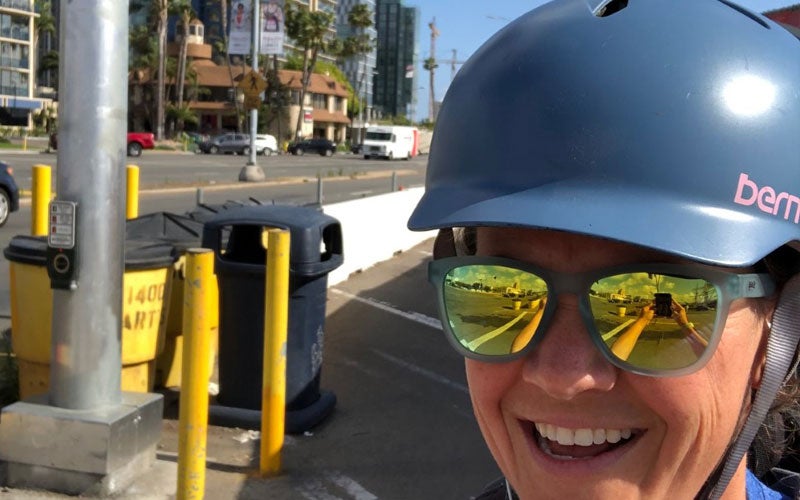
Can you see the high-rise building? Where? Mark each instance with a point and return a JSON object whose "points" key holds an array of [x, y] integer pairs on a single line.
{"points": [[359, 70], [395, 81], [17, 77]]}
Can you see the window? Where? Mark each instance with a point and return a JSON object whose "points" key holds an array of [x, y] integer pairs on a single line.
{"points": [[319, 101]]}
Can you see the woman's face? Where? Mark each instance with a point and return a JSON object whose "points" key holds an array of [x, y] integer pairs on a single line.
{"points": [[680, 426]]}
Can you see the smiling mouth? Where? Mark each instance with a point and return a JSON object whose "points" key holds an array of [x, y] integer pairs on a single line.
{"points": [[573, 444]]}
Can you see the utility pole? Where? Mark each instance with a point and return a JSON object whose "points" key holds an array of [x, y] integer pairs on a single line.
{"points": [[251, 172], [431, 94]]}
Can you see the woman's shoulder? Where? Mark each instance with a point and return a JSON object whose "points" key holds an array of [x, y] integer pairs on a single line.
{"points": [[780, 484]]}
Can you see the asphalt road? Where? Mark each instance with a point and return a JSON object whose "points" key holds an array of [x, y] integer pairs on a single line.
{"points": [[174, 169]]}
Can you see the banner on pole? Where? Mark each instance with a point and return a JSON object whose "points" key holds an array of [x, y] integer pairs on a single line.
{"points": [[241, 28], [272, 27]]}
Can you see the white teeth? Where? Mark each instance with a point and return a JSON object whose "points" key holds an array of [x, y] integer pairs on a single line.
{"points": [[599, 436], [582, 437], [566, 437]]}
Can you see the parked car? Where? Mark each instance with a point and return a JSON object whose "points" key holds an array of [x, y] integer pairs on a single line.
{"points": [[137, 141], [323, 147], [9, 192], [239, 144], [266, 144]]}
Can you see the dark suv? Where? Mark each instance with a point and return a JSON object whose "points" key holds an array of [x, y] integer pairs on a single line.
{"points": [[9, 193], [323, 147]]}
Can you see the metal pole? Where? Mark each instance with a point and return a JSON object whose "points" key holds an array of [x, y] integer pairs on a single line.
{"points": [[254, 50], [199, 198], [193, 411], [276, 321], [87, 322], [132, 190], [40, 197], [319, 189]]}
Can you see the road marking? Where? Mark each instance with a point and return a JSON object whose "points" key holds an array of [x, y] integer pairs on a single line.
{"points": [[351, 486], [413, 316], [315, 489], [494, 333], [615, 330], [422, 371]]}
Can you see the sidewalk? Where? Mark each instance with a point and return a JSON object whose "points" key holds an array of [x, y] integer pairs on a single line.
{"points": [[402, 428]]}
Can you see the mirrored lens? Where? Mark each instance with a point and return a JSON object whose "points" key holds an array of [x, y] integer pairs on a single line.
{"points": [[493, 310], [654, 321]]}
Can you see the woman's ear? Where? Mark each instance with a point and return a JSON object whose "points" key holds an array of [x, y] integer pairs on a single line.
{"points": [[444, 245]]}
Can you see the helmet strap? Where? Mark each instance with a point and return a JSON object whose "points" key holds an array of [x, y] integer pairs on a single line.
{"points": [[781, 348]]}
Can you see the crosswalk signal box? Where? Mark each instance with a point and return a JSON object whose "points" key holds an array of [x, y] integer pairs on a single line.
{"points": [[62, 263]]}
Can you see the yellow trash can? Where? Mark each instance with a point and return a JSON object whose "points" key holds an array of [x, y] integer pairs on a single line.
{"points": [[146, 290], [183, 232], [169, 363]]}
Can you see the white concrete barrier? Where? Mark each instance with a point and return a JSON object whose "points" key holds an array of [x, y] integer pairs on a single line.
{"points": [[374, 229]]}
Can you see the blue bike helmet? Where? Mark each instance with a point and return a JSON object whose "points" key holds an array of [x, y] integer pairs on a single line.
{"points": [[668, 124], [671, 124]]}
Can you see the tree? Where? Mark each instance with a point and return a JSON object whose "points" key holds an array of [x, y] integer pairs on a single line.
{"points": [[430, 65], [44, 24], [186, 13], [161, 8], [359, 18], [223, 47], [310, 31]]}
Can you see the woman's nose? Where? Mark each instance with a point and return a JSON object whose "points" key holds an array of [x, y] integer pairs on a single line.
{"points": [[566, 362]]}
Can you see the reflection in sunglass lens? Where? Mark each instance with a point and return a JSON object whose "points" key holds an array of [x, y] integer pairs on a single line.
{"points": [[493, 310], [654, 321]]}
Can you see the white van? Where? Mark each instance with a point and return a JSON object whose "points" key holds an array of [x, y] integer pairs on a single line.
{"points": [[390, 142]]}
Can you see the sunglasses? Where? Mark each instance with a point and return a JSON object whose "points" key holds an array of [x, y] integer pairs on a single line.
{"points": [[649, 319]]}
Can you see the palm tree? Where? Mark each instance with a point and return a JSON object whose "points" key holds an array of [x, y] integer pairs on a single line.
{"points": [[43, 25], [360, 18], [184, 9], [223, 7], [161, 8], [309, 30], [430, 65]]}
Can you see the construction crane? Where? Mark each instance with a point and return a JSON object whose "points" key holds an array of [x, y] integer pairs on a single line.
{"points": [[431, 65], [453, 62]]}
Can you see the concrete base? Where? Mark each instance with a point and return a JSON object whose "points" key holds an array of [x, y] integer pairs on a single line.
{"points": [[78, 452], [251, 173]]}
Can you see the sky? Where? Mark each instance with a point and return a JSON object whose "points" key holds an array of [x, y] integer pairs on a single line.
{"points": [[464, 25]]}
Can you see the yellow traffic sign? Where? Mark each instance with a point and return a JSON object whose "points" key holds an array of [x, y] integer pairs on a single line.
{"points": [[253, 83], [252, 101]]}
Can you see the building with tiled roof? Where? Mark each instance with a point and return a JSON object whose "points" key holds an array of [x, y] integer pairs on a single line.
{"points": [[324, 110]]}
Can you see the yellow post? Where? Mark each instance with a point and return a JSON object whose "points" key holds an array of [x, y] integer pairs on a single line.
{"points": [[276, 321], [193, 411], [40, 198], [24, 142], [132, 207]]}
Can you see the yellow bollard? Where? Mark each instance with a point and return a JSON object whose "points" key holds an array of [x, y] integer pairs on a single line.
{"points": [[276, 322], [24, 142], [132, 206], [40, 198], [193, 412]]}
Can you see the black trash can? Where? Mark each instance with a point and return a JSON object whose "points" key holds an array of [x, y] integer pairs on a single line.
{"points": [[235, 235]]}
